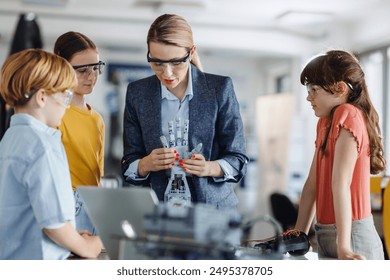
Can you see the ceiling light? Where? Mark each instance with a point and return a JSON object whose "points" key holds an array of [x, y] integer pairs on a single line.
{"points": [[158, 4], [47, 2], [301, 18]]}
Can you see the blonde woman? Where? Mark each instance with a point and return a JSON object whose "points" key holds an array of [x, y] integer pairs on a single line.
{"points": [[181, 91]]}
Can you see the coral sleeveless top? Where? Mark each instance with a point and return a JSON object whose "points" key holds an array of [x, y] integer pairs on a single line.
{"points": [[348, 117]]}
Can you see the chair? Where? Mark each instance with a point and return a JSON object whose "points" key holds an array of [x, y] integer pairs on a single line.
{"points": [[376, 192], [283, 210], [380, 204]]}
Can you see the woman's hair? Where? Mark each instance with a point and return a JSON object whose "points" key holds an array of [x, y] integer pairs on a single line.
{"points": [[31, 70], [70, 43], [341, 66], [174, 30]]}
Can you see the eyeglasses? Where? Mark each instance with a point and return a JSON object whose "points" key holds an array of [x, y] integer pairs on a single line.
{"points": [[64, 98], [85, 70], [312, 90], [159, 64]]}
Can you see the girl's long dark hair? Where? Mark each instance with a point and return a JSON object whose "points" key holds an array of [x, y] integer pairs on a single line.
{"points": [[336, 66]]}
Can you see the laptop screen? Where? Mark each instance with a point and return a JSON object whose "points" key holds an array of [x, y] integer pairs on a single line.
{"points": [[108, 209]]}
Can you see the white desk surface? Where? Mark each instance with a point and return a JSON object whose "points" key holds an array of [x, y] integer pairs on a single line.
{"points": [[307, 256]]}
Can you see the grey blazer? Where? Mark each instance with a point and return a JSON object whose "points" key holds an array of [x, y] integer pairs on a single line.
{"points": [[215, 121]]}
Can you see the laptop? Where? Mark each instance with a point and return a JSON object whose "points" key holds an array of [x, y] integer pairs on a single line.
{"points": [[110, 209]]}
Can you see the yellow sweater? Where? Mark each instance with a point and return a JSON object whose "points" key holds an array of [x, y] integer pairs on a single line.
{"points": [[83, 138]]}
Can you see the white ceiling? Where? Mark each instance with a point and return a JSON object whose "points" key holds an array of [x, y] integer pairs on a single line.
{"points": [[260, 27]]}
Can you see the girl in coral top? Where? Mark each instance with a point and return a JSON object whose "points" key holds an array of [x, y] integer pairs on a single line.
{"points": [[348, 150]]}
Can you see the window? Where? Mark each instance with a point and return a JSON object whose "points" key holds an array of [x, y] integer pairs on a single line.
{"points": [[376, 67]]}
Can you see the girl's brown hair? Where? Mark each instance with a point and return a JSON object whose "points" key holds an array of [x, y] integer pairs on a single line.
{"points": [[70, 43], [336, 66]]}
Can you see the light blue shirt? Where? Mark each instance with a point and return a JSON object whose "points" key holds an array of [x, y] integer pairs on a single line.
{"points": [[173, 108], [35, 190]]}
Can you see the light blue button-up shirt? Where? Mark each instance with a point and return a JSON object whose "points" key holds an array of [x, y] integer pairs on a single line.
{"points": [[173, 108], [35, 190]]}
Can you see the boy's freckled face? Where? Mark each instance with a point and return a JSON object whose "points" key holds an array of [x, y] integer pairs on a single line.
{"points": [[54, 111]]}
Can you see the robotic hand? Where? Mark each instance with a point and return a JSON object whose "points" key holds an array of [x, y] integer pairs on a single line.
{"points": [[177, 193]]}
